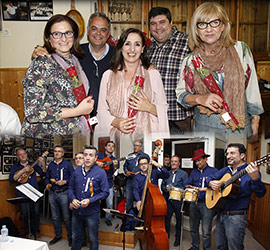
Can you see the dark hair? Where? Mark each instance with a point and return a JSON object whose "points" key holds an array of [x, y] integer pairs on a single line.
{"points": [[179, 158], [118, 59], [90, 147], [76, 50], [166, 156], [59, 146], [109, 142], [102, 15], [156, 11], [143, 158], [17, 149], [241, 147], [78, 153]]}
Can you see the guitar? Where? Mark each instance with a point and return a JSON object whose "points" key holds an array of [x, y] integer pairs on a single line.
{"points": [[229, 188], [108, 161], [24, 177]]}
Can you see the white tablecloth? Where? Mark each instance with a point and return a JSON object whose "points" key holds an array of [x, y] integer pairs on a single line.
{"points": [[15, 243]]}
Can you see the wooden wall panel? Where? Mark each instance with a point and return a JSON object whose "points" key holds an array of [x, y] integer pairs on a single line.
{"points": [[263, 70], [11, 89], [7, 191], [261, 229]]}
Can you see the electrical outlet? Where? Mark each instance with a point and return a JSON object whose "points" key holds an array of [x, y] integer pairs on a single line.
{"points": [[6, 32]]}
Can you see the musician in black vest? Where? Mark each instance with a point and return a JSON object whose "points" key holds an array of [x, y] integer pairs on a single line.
{"points": [[97, 53], [17, 170], [231, 221]]}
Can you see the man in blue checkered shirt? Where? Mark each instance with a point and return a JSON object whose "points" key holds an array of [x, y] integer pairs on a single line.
{"points": [[167, 51]]}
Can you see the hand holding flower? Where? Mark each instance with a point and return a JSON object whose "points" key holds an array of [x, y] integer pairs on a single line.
{"points": [[86, 106]]}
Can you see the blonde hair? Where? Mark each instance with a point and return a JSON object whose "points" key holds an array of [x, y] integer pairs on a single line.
{"points": [[203, 14]]}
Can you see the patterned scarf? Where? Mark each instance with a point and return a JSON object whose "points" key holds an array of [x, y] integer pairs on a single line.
{"points": [[116, 101], [233, 86], [82, 78]]}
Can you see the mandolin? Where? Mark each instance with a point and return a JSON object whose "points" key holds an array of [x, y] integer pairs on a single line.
{"points": [[107, 161], [24, 177], [229, 188]]}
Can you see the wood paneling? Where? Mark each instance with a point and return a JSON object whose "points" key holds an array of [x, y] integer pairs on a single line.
{"points": [[261, 228], [7, 191], [263, 70], [11, 89]]}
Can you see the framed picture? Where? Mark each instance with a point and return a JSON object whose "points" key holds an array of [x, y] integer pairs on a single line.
{"points": [[46, 144], [29, 142], [38, 143], [40, 10], [8, 161], [15, 10]]}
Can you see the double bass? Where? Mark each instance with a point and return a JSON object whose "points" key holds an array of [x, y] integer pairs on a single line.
{"points": [[154, 208]]}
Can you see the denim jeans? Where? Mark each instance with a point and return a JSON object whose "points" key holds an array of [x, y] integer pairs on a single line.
{"points": [[34, 216], [173, 206], [60, 205], [230, 231], [92, 223], [129, 195], [199, 212], [109, 203]]}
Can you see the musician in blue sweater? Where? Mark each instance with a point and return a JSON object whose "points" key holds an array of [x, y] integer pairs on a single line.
{"points": [[139, 180], [231, 222]]}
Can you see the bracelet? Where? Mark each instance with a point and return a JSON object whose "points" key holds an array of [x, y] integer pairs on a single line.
{"points": [[255, 117]]}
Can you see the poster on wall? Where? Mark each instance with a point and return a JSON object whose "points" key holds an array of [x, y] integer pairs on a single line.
{"points": [[8, 161], [40, 10], [15, 10]]}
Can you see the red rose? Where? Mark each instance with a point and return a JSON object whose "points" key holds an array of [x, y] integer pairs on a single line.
{"points": [[72, 72], [197, 63], [139, 81]]}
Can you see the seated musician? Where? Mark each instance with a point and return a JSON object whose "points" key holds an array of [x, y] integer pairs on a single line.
{"points": [[139, 180], [178, 179], [20, 168], [109, 149], [198, 210], [232, 220]]}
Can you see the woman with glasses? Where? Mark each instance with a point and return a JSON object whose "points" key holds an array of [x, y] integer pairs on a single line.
{"points": [[55, 87], [218, 77], [132, 101]]}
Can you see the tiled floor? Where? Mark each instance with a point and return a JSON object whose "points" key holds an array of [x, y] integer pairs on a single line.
{"points": [[250, 243]]}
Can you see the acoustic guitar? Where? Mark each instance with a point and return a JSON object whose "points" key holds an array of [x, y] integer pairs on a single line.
{"points": [[24, 177], [107, 161], [229, 188]]}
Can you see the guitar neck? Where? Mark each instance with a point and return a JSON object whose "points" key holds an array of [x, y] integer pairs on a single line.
{"points": [[119, 159], [244, 171]]}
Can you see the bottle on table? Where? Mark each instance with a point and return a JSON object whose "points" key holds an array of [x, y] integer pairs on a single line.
{"points": [[4, 233]]}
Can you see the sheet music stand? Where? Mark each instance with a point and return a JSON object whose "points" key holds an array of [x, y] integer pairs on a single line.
{"points": [[19, 200], [123, 217]]}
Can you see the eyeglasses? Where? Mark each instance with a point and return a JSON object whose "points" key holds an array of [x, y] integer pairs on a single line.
{"points": [[58, 34], [143, 164], [79, 158], [203, 25]]}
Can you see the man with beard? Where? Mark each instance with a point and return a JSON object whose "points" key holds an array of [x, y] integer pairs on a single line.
{"points": [[231, 222], [198, 210]]}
